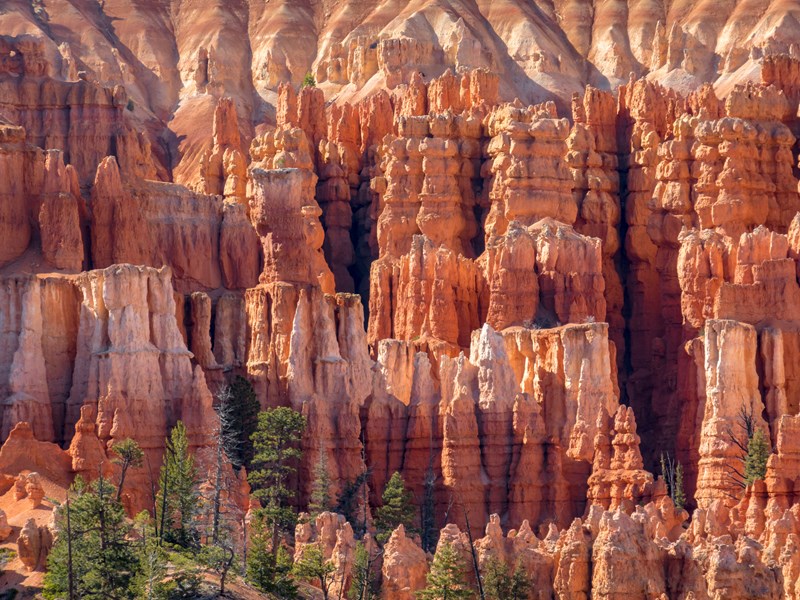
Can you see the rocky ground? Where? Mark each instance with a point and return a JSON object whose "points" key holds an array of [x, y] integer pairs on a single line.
{"points": [[525, 248]]}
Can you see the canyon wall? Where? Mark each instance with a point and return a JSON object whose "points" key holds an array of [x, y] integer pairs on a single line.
{"points": [[520, 305]]}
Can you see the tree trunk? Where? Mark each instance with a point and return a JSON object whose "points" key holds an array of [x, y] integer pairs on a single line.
{"points": [[123, 472], [71, 584], [474, 555], [217, 489]]}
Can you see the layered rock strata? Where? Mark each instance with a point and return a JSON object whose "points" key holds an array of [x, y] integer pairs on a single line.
{"points": [[552, 303]]}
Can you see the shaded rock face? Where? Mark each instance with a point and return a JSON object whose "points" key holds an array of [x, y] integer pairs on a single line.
{"points": [[517, 311]]}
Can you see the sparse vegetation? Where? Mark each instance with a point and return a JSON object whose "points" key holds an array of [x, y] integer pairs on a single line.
{"points": [[397, 508], [128, 454], [365, 584], [321, 487], [238, 408], [501, 584], [755, 463], [347, 503], [309, 80], [93, 556], [177, 500], [740, 436], [446, 579], [672, 472], [312, 566]]}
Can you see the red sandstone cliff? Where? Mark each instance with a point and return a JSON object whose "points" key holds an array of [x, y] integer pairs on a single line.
{"points": [[555, 293]]}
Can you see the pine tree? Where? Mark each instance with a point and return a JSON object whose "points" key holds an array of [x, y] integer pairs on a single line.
{"points": [[266, 575], [363, 585], [672, 472], [276, 444], [309, 80], [92, 554], [320, 500], [427, 511], [312, 566], [446, 577], [755, 463], [129, 454], [397, 508], [153, 559], [238, 408], [502, 585], [177, 500], [347, 502], [678, 495]]}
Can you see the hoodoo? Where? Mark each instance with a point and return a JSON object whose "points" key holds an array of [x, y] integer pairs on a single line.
{"points": [[400, 300]]}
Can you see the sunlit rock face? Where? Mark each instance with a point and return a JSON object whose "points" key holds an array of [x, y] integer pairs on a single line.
{"points": [[515, 253]]}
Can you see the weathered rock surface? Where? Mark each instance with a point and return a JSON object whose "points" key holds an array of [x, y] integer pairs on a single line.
{"points": [[552, 302]]}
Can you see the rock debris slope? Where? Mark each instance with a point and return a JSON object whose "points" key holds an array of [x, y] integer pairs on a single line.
{"points": [[515, 251]]}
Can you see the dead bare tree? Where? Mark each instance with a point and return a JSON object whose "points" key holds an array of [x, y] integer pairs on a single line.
{"points": [[745, 428], [475, 566], [224, 442]]}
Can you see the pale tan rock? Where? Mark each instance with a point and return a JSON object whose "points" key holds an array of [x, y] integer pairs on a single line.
{"points": [[731, 387], [404, 567], [223, 169], [201, 331], [529, 180], [573, 579], [89, 456], [230, 326], [22, 452], [33, 544], [130, 225], [16, 228], [328, 375], [34, 490], [60, 215], [291, 234], [144, 374], [5, 528], [28, 398], [239, 248], [19, 487], [618, 476], [624, 562], [333, 535]]}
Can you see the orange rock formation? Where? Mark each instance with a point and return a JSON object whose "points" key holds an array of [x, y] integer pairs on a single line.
{"points": [[513, 252]]}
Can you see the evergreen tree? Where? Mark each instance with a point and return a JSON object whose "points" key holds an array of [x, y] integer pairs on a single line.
{"points": [[309, 80], [672, 472], [429, 533], [678, 495], [185, 577], [129, 454], [220, 558], [755, 463], [92, 556], [266, 575], [312, 566], [363, 585], [238, 408], [397, 508], [347, 503], [276, 442], [177, 499], [320, 500], [500, 584], [446, 577], [153, 559]]}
